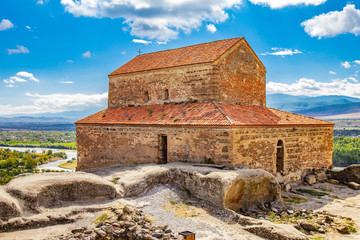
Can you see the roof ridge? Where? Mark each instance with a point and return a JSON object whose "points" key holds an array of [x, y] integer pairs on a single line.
{"points": [[223, 113], [301, 115], [191, 45]]}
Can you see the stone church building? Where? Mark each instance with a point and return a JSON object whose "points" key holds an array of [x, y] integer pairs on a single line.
{"points": [[200, 103]]}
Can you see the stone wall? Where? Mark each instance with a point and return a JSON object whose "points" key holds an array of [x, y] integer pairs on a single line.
{"points": [[237, 77], [100, 145], [242, 78], [304, 147]]}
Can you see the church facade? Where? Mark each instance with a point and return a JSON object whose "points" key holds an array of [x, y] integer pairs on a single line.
{"points": [[196, 104]]}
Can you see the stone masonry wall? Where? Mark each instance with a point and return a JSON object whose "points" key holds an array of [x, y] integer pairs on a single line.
{"points": [[304, 147], [100, 145], [242, 78], [182, 83], [236, 78]]}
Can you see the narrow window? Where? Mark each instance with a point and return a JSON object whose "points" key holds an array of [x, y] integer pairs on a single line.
{"points": [[146, 96], [166, 96], [280, 156]]}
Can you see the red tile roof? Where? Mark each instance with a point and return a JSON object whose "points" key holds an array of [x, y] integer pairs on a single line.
{"points": [[200, 53], [201, 114]]}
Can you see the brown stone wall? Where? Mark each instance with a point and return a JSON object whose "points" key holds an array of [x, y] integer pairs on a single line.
{"points": [[237, 77], [304, 147], [242, 78], [100, 145], [182, 83]]}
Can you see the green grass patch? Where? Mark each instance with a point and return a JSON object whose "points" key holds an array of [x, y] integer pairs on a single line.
{"points": [[69, 165], [102, 218], [312, 192], [295, 199]]}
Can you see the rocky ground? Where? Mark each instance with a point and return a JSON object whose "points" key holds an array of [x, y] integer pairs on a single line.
{"points": [[136, 206]]}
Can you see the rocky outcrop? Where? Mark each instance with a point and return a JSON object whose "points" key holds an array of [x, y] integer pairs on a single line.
{"points": [[8, 207], [349, 174], [54, 189], [236, 190]]}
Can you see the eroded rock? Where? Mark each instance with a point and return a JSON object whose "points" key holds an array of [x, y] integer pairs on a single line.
{"points": [[53, 189], [8, 206], [349, 174]]}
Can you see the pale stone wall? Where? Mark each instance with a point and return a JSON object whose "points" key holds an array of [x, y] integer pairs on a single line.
{"points": [[305, 147], [100, 145], [242, 78]]}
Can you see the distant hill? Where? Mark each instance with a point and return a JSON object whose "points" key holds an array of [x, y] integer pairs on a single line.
{"points": [[29, 119], [315, 106]]}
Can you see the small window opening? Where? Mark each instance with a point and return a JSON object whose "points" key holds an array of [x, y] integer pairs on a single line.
{"points": [[280, 156], [166, 97], [146, 96]]}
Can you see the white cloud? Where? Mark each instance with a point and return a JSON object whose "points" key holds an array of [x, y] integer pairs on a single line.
{"points": [[19, 49], [67, 82], [155, 19], [20, 77], [334, 23], [141, 41], [309, 87], [211, 28], [6, 24], [357, 62], [29, 28], [123, 52], [53, 103], [70, 61], [284, 3], [345, 64], [86, 54], [282, 52], [40, 2], [332, 73], [160, 43]]}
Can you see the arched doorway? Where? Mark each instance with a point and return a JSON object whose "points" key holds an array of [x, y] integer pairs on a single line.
{"points": [[280, 156]]}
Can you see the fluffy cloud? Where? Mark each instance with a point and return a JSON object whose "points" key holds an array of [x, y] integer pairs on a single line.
{"points": [[19, 49], [53, 103], [357, 62], [332, 73], [309, 87], [211, 28], [40, 2], [66, 82], [20, 77], [345, 64], [155, 19], [282, 52], [334, 23], [284, 3], [5, 24], [141, 41], [86, 54]]}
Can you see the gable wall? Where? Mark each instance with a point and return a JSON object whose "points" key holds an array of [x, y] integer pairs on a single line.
{"points": [[242, 78], [100, 145]]}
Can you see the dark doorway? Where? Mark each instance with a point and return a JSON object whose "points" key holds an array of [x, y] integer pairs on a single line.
{"points": [[162, 149], [280, 156]]}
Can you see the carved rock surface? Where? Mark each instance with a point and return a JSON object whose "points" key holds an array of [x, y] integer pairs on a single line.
{"points": [[8, 207]]}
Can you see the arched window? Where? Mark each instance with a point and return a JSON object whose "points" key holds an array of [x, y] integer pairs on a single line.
{"points": [[280, 156], [166, 95], [146, 96]]}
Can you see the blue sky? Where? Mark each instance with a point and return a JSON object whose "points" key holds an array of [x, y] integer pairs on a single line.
{"points": [[55, 55]]}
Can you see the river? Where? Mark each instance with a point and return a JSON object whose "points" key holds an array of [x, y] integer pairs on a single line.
{"points": [[52, 165]]}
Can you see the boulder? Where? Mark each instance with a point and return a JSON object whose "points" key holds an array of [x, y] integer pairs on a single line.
{"points": [[276, 232], [349, 174], [54, 189], [310, 179], [8, 206], [354, 185]]}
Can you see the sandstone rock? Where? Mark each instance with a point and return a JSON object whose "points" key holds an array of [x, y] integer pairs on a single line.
{"points": [[310, 179], [321, 177], [354, 185], [8, 206], [51, 189], [308, 226], [286, 187], [349, 174], [276, 232], [333, 181]]}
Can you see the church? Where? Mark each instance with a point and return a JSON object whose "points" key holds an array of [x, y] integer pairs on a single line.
{"points": [[204, 103]]}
